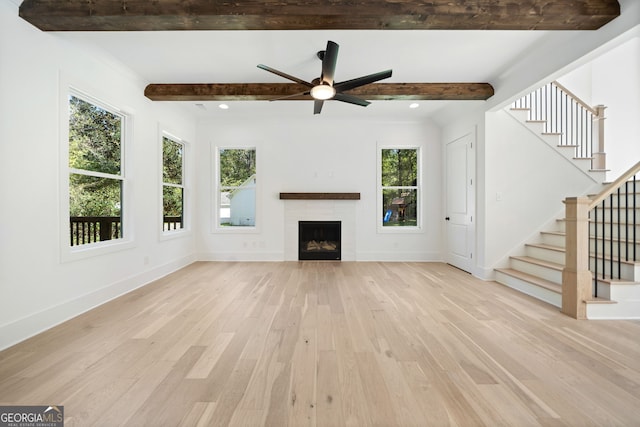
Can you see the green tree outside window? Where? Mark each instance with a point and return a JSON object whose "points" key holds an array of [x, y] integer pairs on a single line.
{"points": [[95, 172], [399, 184], [172, 184]]}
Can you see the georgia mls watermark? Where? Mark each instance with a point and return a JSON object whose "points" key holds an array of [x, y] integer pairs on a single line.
{"points": [[31, 416]]}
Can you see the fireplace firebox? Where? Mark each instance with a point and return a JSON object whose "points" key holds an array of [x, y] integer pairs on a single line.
{"points": [[319, 240]]}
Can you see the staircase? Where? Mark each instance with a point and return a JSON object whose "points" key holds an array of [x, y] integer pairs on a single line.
{"points": [[614, 251], [575, 130]]}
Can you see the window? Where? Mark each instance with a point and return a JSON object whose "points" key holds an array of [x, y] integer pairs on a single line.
{"points": [[172, 184], [236, 187], [95, 172], [399, 187]]}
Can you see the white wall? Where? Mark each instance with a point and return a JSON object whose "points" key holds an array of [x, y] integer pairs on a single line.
{"points": [[613, 80], [526, 181], [37, 288], [319, 155]]}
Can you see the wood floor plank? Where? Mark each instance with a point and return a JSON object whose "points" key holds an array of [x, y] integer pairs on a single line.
{"points": [[376, 391], [258, 393], [200, 415], [329, 344], [329, 396]]}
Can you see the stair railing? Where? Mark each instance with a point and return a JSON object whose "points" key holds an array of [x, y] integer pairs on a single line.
{"points": [[611, 217], [576, 123]]}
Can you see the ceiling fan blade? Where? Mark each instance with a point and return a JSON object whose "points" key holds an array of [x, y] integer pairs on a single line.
{"points": [[361, 81], [295, 95], [285, 75], [317, 106], [329, 62], [351, 99]]}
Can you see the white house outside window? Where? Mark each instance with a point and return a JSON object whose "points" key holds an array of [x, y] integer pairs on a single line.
{"points": [[236, 195]]}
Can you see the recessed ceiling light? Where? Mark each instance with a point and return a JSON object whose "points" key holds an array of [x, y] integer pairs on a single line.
{"points": [[223, 106], [414, 105]]}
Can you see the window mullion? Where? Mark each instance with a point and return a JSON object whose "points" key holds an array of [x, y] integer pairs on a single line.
{"points": [[168, 184], [96, 174]]}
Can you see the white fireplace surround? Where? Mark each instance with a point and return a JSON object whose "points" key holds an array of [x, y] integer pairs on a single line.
{"points": [[320, 210]]}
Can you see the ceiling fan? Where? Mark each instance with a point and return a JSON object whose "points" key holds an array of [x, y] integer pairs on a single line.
{"points": [[324, 88]]}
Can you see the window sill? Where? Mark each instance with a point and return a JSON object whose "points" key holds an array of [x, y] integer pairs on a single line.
{"points": [[175, 234], [76, 253], [400, 230], [235, 230]]}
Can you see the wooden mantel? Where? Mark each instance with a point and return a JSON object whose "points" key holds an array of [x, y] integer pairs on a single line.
{"points": [[319, 196]]}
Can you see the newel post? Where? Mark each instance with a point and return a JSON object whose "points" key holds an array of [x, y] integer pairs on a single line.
{"points": [[576, 276], [597, 145]]}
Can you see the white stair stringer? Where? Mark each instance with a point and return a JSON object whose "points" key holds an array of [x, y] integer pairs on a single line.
{"points": [[538, 273], [553, 140]]}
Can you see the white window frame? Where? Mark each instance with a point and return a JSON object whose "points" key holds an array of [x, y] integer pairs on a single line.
{"points": [[235, 229], [186, 222], [419, 191], [71, 253]]}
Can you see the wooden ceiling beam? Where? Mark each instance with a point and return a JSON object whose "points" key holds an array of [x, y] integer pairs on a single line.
{"points": [[269, 91], [145, 15]]}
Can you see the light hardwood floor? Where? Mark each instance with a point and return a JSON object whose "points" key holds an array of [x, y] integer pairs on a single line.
{"points": [[329, 344]]}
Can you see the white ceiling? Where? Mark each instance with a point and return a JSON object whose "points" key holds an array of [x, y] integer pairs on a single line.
{"points": [[232, 56]]}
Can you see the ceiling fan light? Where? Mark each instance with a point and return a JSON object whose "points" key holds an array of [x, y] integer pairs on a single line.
{"points": [[322, 92]]}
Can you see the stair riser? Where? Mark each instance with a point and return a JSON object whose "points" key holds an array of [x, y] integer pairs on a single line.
{"points": [[584, 164], [604, 290], [546, 273], [618, 292], [536, 127], [628, 272], [620, 216], [558, 240], [615, 231], [522, 115], [625, 199], [624, 292], [625, 250], [545, 254], [621, 310], [554, 140], [530, 289]]}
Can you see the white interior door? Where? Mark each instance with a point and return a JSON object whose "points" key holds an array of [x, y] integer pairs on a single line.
{"points": [[460, 202]]}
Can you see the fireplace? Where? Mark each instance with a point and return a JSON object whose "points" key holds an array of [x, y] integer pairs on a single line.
{"points": [[319, 240]]}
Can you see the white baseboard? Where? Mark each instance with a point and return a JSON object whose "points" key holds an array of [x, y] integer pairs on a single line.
{"points": [[484, 273], [241, 256], [22, 329], [397, 256], [393, 256]]}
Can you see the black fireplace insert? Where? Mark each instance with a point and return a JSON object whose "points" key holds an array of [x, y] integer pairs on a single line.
{"points": [[319, 240]]}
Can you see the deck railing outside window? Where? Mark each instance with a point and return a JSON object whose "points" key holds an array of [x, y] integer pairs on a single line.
{"points": [[91, 229]]}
